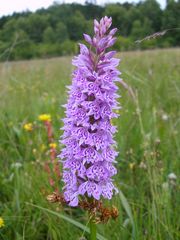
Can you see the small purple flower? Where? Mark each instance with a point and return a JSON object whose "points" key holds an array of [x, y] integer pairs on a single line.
{"points": [[70, 179], [91, 188], [82, 134], [88, 155], [71, 197], [97, 172]]}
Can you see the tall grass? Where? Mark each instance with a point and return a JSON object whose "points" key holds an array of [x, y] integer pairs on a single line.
{"points": [[148, 141]]}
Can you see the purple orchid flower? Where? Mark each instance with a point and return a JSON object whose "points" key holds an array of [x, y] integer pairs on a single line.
{"points": [[88, 155]]}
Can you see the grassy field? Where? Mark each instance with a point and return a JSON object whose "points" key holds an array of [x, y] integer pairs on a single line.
{"points": [[148, 141]]}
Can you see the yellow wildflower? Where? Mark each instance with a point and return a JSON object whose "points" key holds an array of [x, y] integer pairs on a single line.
{"points": [[34, 150], [1, 222], [132, 166], [53, 145], [45, 117], [28, 127], [117, 111], [43, 147]]}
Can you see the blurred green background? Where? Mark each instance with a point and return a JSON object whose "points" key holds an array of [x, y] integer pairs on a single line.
{"points": [[148, 141], [56, 30], [148, 128]]}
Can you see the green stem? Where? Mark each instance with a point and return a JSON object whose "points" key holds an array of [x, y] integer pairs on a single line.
{"points": [[93, 230]]}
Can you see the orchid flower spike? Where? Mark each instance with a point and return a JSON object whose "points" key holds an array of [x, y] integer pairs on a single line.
{"points": [[88, 153]]}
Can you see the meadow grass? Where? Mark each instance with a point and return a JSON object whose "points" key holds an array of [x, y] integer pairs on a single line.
{"points": [[148, 141]]}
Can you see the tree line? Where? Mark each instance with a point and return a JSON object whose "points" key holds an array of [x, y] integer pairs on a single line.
{"points": [[56, 30]]}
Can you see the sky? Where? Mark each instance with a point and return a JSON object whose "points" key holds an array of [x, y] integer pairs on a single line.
{"points": [[9, 6]]}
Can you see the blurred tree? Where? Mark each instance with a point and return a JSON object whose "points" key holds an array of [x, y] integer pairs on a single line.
{"points": [[92, 11], [133, 14], [120, 18], [3, 20], [123, 44], [76, 26], [36, 24], [61, 33], [68, 47], [89, 27], [47, 31], [49, 35], [8, 30], [141, 30], [151, 10], [171, 20]]}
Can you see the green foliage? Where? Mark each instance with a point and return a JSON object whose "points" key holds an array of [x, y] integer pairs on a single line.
{"points": [[61, 33], [148, 140], [68, 47], [62, 23], [49, 35], [141, 29], [123, 44], [119, 16], [76, 26], [36, 25], [150, 9], [171, 19], [67, 219]]}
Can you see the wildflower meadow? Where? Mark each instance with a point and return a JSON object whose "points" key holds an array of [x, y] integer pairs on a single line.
{"points": [[90, 144]]}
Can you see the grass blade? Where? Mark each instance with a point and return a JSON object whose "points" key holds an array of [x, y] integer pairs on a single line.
{"points": [[68, 219], [127, 208]]}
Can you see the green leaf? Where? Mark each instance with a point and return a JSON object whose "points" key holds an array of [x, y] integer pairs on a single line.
{"points": [[17, 131], [66, 218], [127, 208]]}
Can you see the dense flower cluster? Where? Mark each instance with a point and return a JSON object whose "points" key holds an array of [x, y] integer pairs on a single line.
{"points": [[88, 154]]}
